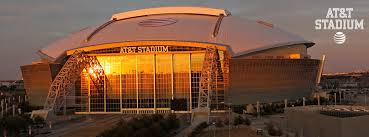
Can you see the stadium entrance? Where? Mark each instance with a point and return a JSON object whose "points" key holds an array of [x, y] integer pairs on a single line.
{"points": [[146, 79]]}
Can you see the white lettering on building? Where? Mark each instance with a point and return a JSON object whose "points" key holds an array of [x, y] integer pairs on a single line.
{"points": [[146, 49]]}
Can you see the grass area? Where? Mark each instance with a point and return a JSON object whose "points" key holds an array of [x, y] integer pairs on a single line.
{"points": [[235, 132]]}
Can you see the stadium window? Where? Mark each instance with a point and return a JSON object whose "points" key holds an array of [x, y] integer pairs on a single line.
{"points": [[269, 57], [295, 56]]}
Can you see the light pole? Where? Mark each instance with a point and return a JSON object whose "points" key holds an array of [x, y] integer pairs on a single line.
{"points": [[335, 98], [280, 124], [6, 108], [29, 130], [25, 98], [214, 128], [365, 97], [285, 103], [13, 110], [258, 109], [229, 118]]}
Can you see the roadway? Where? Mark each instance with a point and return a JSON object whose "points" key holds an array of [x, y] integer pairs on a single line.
{"points": [[89, 126]]}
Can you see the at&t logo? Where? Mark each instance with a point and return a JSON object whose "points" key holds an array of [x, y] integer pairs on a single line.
{"points": [[339, 19], [339, 38]]}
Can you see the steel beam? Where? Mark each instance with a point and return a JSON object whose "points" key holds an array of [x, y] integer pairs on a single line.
{"points": [[67, 76], [211, 77]]}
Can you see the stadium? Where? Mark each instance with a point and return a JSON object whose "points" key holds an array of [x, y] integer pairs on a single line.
{"points": [[171, 59]]}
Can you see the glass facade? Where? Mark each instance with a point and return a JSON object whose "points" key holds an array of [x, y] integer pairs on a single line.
{"points": [[269, 80], [144, 83]]}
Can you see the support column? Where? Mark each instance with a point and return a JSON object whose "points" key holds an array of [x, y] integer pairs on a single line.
{"points": [[172, 71], [285, 103], [320, 71], [190, 80], [216, 102], [104, 91], [303, 101], [104, 85], [120, 85], [365, 98], [172, 77], [154, 68], [19, 111], [335, 99], [136, 86], [258, 109], [318, 99], [65, 104], [13, 110], [89, 95]]}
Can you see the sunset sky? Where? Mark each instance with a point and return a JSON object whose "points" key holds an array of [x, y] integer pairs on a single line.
{"points": [[28, 25]]}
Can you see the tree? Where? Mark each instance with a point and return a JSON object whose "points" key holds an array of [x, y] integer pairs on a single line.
{"points": [[12, 88], [137, 124], [272, 130], [157, 117], [157, 130], [198, 129], [226, 122], [125, 131], [39, 121], [247, 121], [25, 107], [237, 121], [268, 109], [14, 124], [2, 125], [3, 88], [146, 126], [219, 123], [173, 122], [144, 132]]}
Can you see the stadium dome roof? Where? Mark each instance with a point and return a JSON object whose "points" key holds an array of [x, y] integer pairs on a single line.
{"points": [[189, 24]]}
